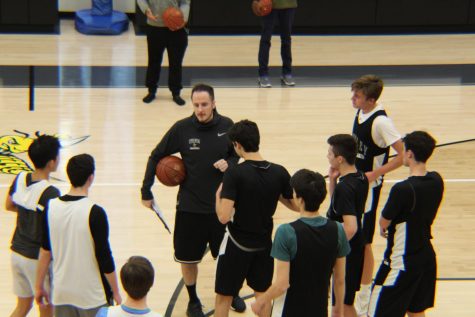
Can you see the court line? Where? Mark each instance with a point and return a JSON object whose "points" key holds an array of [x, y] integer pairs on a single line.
{"points": [[391, 181]]}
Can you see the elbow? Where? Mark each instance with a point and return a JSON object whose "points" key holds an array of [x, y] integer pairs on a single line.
{"points": [[283, 287], [350, 232], [223, 219]]}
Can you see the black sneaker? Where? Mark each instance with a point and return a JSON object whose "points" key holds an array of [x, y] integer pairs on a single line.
{"points": [[238, 304], [194, 309], [149, 97], [178, 100]]}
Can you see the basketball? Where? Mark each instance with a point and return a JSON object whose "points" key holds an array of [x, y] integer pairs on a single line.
{"points": [[173, 18], [170, 171], [262, 7]]}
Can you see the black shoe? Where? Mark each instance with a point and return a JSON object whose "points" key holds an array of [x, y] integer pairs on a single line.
{"points": [[194, 309], [178, 100], [238, 304], [149, 97]]}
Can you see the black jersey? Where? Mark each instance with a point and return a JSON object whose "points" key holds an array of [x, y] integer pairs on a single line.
{"points": [[349, 198], [412, 206], [200, 146], [30, 199], [255, 188], [311, 270], [367, 149]]}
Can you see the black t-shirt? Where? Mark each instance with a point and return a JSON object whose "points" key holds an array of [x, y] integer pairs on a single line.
{"points": [[349, 198], [412, 206], [255, 188]]}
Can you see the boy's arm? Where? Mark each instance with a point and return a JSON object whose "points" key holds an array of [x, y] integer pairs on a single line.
{"points": [[277, 288], [10, 205], [339, 286], [224, 207], [44, 260], [350, 226], [391, 165]]}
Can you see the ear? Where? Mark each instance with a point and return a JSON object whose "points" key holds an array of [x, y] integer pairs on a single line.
{"points": [[90, 179]]}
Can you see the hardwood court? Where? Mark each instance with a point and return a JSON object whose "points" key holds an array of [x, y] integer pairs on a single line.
{"points": [[294, 124]]}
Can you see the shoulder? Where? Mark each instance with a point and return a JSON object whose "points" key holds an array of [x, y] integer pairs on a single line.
{"points": [[279, 169], [102, 312], [436, 176], [182, 123], [52, 192], [284, 231], [401, 186], [226, 121], [98, 211]]}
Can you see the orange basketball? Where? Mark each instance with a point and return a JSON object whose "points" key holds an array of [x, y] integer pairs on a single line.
{"points": [[262, 7], [170, 171], [173, 18]]}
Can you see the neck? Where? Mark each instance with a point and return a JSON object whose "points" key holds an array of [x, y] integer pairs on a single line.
{"points": [[136, 303], [79, 191], [417, 169], [40, 174], [346, 169], [252, 156], [369, 108], [309, 214]]}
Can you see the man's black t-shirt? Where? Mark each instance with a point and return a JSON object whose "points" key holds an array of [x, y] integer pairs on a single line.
{"points": [[255, 188]]}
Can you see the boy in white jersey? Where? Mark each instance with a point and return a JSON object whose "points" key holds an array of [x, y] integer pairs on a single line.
{"points": [[76, 242], [375, 134], [137, 278]]}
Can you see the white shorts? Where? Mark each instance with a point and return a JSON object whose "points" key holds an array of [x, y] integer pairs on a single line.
{"points": [[24, 276]]}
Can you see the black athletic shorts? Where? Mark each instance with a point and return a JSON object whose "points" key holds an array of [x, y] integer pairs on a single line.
{"points": [[396, 292], [353, 273], [236, 265], [369, 218], [193, 233]]}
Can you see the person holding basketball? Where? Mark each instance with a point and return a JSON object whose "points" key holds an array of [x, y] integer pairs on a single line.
{"points": [[283, 11], [203, 144], [159, 38]]}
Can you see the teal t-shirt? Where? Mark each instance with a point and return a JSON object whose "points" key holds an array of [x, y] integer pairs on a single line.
{"points": [[284, 4], [284, 247]]}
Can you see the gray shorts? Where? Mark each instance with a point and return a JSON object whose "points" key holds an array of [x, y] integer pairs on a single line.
{"points": [[73, 311], [24, 276]]}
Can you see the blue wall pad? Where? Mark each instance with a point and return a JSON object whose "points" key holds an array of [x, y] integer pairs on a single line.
{"points": [[113, 24]]}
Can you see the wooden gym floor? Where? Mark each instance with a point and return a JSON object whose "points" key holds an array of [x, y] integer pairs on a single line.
{"points": [[294, 124]]}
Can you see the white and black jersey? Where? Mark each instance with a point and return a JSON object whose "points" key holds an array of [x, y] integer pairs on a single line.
{"points": [[200, 146], [77, 234], [412, 206], [370, 156], [255, 188], [30, 198]]}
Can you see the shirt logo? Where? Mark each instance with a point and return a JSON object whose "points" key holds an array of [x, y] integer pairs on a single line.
{"points": [[194, 144], [221, 134]]}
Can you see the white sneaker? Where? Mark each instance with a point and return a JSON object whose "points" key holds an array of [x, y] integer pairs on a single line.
{"points": [[264, 82], [362, 302], [288, 80]]}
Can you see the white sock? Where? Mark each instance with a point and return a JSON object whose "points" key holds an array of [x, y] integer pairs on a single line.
{"points": [[365, 289]]}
